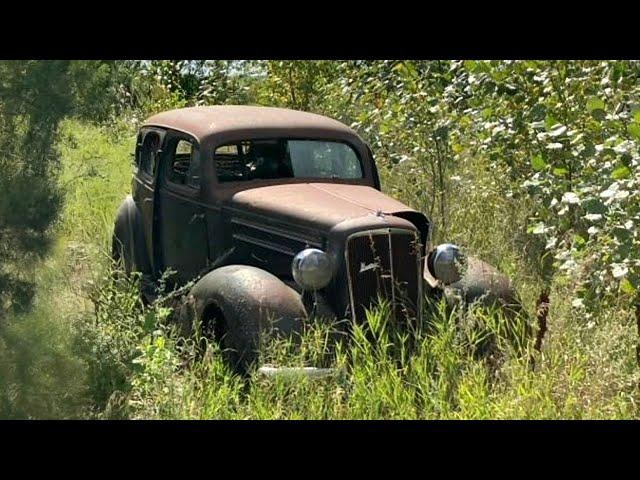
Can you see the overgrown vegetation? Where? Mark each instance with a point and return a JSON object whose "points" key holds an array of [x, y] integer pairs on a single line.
{"points": [[531, 165]]}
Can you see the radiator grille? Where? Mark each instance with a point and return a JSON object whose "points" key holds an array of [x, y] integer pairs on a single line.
{"points": [[384, 264]]}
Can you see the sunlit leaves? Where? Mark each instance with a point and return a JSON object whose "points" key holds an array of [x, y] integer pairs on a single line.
{"points": [[619, 271], [574, 147], [557, 131], [594, 104], [554, 146], [538, 163], [570, 198], [621, 173], [634, 130], [627, 287], [565, 132]]}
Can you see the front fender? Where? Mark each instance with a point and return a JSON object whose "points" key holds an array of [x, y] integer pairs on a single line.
{"points": [[251, 297], [240, 306], [482, 284]]}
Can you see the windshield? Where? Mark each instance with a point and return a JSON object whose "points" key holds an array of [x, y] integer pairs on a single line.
{"points": [[284, 158]]}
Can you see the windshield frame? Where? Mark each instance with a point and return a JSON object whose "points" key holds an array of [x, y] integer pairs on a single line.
{"points": [[362, 180]]}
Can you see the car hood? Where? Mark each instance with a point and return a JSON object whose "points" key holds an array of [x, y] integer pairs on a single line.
{"points": [[320, 205]]}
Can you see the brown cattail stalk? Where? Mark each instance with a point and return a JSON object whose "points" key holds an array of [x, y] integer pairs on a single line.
{"points": [[542, 313], [638, 327]]}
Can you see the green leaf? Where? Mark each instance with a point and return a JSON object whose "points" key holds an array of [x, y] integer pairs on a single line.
{"points": [[536, 229], [398, 66], [550, 122], [627, 287], [411, 69], [621, 173], [560, 171], [634, 130], [538, 163], [470, 65], [594, 103], [636, 115]]}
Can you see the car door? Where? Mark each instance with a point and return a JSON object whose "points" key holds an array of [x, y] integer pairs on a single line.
{"points": [[144, 182], [181, 220]]}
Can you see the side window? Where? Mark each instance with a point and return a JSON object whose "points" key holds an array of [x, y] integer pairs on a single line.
{"points": [[138, 150], [229, 163], [184, 167], [148, 153]]}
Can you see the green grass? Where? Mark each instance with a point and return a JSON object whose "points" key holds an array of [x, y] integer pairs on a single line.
{"points": [[90, 350], [42, 374]]}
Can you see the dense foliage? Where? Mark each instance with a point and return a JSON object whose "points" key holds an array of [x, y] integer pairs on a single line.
{"points": [[565, 135], [34, 97], [531, 165]]}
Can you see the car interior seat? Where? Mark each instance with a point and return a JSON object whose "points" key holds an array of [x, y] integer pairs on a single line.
{"points": [[270, 161]]}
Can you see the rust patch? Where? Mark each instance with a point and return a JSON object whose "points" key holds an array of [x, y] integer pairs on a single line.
{"points": [[321, 204], [203, 122]]}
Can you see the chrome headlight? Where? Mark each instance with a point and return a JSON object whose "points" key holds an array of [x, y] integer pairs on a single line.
{"points": [[312, 269], [447, 263]]}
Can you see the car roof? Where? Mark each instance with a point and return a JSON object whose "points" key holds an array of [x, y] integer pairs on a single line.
{"points": [[236, 121]]}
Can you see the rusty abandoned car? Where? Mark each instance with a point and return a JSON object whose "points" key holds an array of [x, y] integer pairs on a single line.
{"points": [[278, 215]]}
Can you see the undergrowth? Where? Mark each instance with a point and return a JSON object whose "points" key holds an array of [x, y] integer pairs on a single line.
{"points": [[95, 351]]}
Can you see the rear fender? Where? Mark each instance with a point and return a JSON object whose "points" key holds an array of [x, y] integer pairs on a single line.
{"points": [[128, 236]]}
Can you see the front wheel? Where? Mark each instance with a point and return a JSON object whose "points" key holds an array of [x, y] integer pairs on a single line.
{"points": [[240, 306]]}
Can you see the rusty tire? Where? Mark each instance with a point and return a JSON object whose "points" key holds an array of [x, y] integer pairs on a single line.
{"points": [[239, 306]]}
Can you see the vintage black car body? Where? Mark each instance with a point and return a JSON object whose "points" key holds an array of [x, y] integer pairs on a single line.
{"points": [[207, 203]]}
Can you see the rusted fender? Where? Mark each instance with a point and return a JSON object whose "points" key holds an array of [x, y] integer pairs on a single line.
{"points": [[128, 241], [251, 300], [484, 284]]}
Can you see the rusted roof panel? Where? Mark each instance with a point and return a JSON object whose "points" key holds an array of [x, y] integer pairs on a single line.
{"points": [[204, 122]]}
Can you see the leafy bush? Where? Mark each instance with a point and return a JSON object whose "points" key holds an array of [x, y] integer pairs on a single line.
{"points": [[531, 165], [568, 133], [559, 137]]}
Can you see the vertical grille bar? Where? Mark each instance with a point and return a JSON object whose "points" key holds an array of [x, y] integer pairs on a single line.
{"points": [[384, 264]]}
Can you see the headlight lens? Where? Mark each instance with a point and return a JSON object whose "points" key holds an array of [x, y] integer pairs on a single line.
{"points": [[447, 263], [312, 269]]}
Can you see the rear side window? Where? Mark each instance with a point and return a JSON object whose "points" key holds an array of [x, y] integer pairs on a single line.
{"points": [[184, 167], [148, 153]]}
